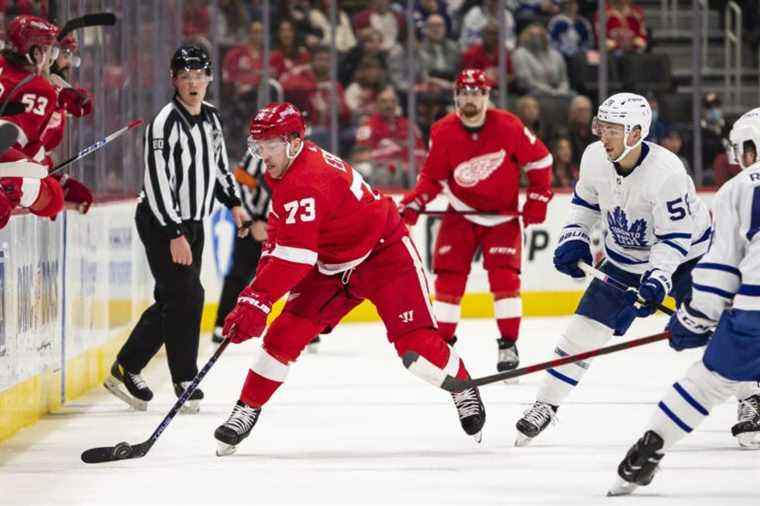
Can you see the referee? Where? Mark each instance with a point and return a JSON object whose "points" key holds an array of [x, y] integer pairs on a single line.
{"points": [[247, 250], [185, 157]]}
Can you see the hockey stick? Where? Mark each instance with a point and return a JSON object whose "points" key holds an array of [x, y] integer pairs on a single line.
{"points": [[124, 450], [420, 367], [606, 278], [96, 146], [94, 19], [473, 213]]}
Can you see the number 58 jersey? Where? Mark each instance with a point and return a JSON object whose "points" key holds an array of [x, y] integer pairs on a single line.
{"points": [[324, 213], [651, 217]]}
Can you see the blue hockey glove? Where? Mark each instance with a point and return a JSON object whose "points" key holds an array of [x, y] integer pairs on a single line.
{"points": [[689, 328], [573, 246], [655, 285]]}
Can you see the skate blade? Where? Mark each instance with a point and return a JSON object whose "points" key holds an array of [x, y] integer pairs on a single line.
{"points": [[190, 408], [621, 487], [478, 437], [225, 449], [113, 386], [749, 440], [522, 440]]}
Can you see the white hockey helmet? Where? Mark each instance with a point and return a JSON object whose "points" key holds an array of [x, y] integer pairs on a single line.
{"points": [[745, 129], [626, 109]]}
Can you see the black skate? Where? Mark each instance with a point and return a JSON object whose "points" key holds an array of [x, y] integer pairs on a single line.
{"points": [[237, 427], [508, 359], [472, 412], [313, 346], [639, 465], [193, 404], [128, 387], [747, 429], [534, 421]]}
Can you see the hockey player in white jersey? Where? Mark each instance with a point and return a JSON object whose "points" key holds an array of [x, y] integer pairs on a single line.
{"points": [[725, 304], [655, 230]]}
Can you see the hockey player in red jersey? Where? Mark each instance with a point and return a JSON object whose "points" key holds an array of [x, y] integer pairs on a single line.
{"points": [[475, 158], [31, 48], [334, 242]]}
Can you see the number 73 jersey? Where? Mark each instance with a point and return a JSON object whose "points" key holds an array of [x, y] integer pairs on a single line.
{"points": [[652, 217], [324, 213]]}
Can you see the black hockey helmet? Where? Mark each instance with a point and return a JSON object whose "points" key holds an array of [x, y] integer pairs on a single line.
{"points": [[189, 57]]}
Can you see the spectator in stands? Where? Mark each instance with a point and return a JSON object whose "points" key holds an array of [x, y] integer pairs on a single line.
{"points": [[234, 20], [565, 169], [570, 32], [478, 17], [438, 56], [423, 9], [319, 17], [370, 44], [579, 116], [241, 67], [297, 12], [673, 141], [659, 127], [529, 111], [195, 18], [484, 55], [381, 152], [380, 16], [369, 79], [539, 68], [626, 30], [287, 51], [713, 128], [534, 11]]}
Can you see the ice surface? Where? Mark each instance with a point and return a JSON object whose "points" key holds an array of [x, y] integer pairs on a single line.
{"points": [[351, 426]]}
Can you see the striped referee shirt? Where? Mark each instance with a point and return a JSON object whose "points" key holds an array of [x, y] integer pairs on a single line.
{"points": [[185, 156], [253, 188]]}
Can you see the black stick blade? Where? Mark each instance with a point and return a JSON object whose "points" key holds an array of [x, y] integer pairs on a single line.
{"points": [[121, 451], [94, 19]]}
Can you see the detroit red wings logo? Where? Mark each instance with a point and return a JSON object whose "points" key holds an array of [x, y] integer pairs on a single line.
{"points": [[472, 171]]}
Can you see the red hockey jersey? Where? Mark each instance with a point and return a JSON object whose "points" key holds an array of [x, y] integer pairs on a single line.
{"points": [[37, 95], [480, 169], [324, 214]]}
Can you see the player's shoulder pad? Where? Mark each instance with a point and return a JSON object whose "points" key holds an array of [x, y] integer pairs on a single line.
{"points": [[451, 120], [503, 117], [594, 157], [665, 161]]}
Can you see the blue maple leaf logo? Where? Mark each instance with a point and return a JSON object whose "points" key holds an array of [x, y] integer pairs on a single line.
{"points": [[633, 236]]}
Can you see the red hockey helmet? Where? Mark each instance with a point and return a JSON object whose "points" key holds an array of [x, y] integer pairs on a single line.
{"points": [[25, 32], [277, 120], [472, 79]]}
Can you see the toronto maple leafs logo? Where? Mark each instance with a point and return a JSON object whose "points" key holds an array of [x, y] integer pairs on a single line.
{"points": [[631, 236], [470, 172]]}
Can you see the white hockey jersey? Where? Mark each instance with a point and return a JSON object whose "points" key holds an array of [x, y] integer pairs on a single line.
{"points": [[730, 271], [651, 217]]}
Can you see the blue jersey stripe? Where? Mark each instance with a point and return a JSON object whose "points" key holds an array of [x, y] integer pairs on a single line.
{"points": [[691, 400], [752, 290], [562, 377], [718, 267], [580, 202], [754, 220], [665, 409], [713, 290], [674, 235], [704, 237], [676, 247]]}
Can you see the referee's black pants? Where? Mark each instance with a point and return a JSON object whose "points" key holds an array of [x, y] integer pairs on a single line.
{"points": [[174, 319], [245, 259]]}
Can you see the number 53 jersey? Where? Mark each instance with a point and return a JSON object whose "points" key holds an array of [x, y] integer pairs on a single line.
{"points": [[651, 217], [324, 213]]}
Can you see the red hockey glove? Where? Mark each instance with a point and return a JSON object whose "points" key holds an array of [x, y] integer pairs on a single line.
{"points": [[12, 189], [76, 101], [410, 207], [534, 210], [248, 318], [75, 192]]}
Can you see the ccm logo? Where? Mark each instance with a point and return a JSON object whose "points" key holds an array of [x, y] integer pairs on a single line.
{"points": [[501, 250]]}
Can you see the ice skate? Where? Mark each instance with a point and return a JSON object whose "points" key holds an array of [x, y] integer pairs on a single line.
{"points": [[639, 465], [237, 427], [535, 419], [508, 359], [472, 412], [193, 404], [130, 388], [747, 428], [313, 346]]}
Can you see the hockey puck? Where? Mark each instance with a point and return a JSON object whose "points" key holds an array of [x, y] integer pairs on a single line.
{"points": [[122, 450]]}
